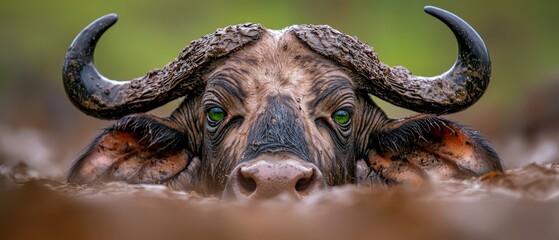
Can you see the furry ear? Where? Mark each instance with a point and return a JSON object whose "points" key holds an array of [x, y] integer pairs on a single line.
{"points": [[412, 149], [136, 149]]}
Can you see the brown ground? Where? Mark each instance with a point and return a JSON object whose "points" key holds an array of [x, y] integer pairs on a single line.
{"points": [[521, 204]]}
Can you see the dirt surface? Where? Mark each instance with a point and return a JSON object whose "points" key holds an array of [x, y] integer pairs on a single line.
{"points": [[523, 203]]}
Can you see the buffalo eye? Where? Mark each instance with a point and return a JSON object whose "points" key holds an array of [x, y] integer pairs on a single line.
{"points": [[216, 114], [342, 117]]}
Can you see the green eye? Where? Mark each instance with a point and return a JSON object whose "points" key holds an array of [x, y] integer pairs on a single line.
{"points": [[215, 114], [341, 116]]}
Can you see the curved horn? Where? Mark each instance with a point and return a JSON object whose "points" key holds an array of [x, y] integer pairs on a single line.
{"points": [[453, 91], [104, 98]]}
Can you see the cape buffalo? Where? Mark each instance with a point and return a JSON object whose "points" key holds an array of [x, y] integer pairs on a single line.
{"points": [[286, 112]]}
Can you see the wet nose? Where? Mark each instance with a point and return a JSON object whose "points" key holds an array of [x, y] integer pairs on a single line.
{"points": [[267, 179]]}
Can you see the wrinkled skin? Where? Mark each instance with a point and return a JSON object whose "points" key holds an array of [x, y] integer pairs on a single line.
{"points": [[280, 99]]}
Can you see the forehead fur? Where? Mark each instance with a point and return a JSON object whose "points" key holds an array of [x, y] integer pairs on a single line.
{"points": [[279, 63]]}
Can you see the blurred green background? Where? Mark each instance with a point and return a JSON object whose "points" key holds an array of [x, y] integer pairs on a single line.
{"points": [[521, 36]]}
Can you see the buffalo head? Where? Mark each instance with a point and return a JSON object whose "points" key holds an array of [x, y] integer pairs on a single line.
{"points": [[270, 112]]}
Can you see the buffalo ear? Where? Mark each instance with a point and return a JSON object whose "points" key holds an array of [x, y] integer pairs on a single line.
{"points": [[412, 149], [136, 149]]}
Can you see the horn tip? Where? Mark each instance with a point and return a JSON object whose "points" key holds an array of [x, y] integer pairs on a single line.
{"points": [[429, 8], [110, 18], [435, 11]]}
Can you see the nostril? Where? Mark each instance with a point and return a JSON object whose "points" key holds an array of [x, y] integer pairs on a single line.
{"points": [[246, 183], [305, 182], [266, 179]]}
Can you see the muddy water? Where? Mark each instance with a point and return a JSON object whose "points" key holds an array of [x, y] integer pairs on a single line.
{"points": [[521, 204]]}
